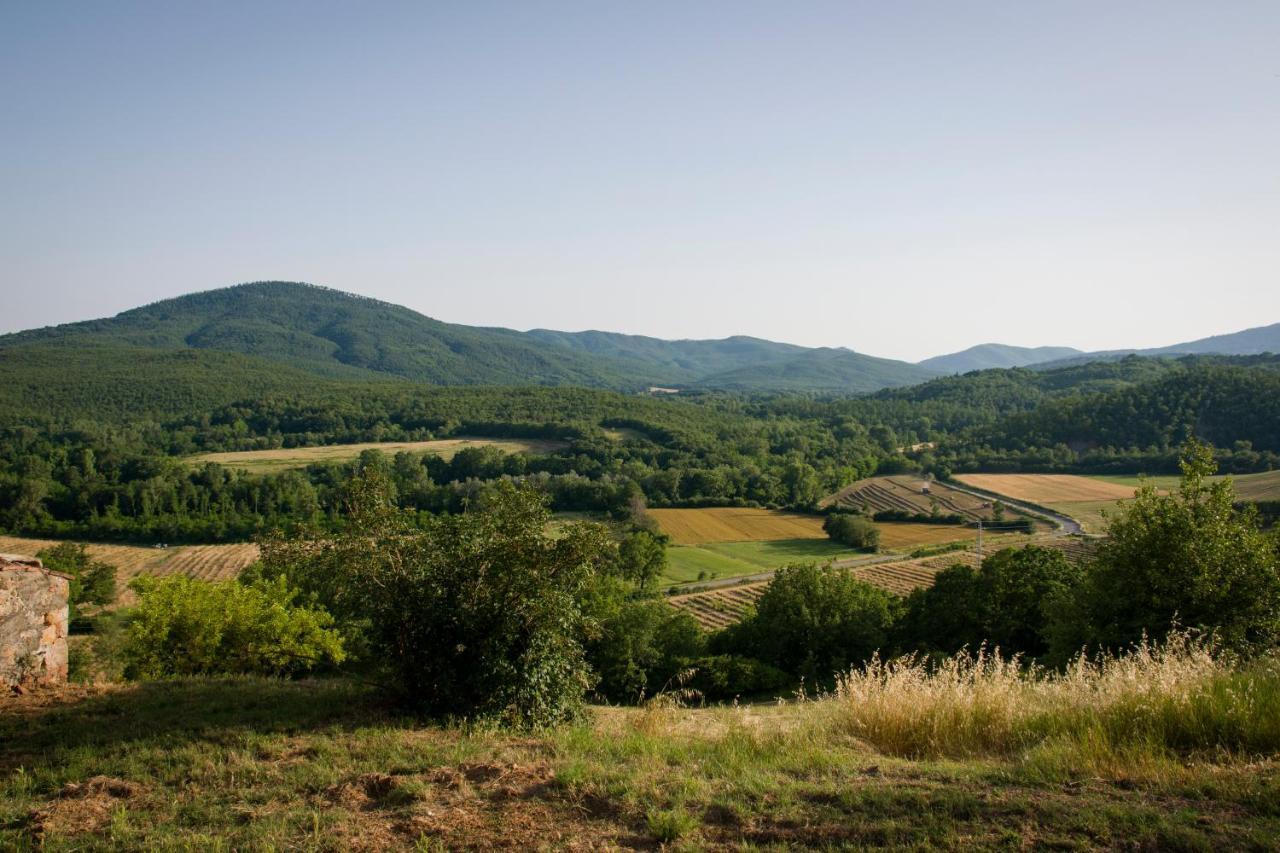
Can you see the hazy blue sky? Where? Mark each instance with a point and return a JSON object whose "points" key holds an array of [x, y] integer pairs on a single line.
{"points": [[900, 178]]}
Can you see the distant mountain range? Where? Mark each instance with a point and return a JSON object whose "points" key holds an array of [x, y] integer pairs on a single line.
{"points": [[314, 331], [986, 356]]}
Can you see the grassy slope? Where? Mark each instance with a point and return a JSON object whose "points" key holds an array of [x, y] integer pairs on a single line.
{"points": [[251, 764]]}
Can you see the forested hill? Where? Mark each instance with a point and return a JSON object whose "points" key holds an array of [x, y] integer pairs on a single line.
{"points": [[986, 356], [337, 335]]}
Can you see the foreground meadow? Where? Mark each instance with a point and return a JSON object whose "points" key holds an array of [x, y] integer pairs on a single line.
{"points": [[1166, 750]]}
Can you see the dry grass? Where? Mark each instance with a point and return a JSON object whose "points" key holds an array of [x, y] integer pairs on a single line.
{"points": [[1048, 489], [735, 524], [903, 534], [260, 461], [1158, 699], [258, 764]]}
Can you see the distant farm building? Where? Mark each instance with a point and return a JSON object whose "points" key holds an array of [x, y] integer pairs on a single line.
{"points": [[654, 389], [33, 622]]}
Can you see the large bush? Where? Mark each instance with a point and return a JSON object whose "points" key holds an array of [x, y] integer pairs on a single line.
{"points": [[852, 530], [1004, 604], [189, 627], [814, 622], [636, 646], [1191, 557], [474, 615]]}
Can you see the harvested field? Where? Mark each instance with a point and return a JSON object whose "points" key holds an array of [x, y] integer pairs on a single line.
{"points": [[1249, 487], [904, 534], [263, 461], [205, 562], [907, 494], [735, 524], [1048, 489], [718, 608], [1077, 549]]}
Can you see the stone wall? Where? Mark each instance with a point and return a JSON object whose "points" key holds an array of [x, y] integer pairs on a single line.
{"points": [[33, 622]]}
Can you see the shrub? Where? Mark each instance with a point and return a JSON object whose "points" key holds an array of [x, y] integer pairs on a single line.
{"points": [[814, 622], [720, 677], [1005, 603], [189, 627], [636, 646], [1190, 557], [852, 530], [474, 615]]}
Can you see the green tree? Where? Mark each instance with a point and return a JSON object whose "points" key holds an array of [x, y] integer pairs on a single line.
{"points": [[635, 645], [852, 530], [642, 558], [1190, 557], [92, 581], [816, 622], [474, 615], [1006, 603]]}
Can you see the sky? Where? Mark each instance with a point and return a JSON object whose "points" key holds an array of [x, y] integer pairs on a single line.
{"points": [[903, 179]]}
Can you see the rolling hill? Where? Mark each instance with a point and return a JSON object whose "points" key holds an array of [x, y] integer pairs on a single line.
{"points": [[332, 335], [986, 356]]}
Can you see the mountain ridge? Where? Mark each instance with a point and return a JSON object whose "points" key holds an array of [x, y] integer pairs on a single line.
{"points": [[337, 335], [332, 333]]}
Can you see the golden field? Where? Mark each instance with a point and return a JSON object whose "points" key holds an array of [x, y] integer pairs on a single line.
{"points": [[262, 461]]}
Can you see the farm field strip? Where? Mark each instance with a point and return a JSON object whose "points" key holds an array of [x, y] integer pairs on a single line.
{"points": [[205, 562], [909, 494], [1048, 489], [735, 524], [720, 607], [1264, 486], [279, 459]]}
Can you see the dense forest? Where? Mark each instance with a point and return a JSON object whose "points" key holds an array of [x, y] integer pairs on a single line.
{"points": [[78, 468]]}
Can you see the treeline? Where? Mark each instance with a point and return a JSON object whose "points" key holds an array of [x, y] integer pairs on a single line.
{"points": [[104, 479], [125, 483]]}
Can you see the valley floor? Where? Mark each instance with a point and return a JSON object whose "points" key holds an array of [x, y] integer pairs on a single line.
{"points": [[322, 765]]}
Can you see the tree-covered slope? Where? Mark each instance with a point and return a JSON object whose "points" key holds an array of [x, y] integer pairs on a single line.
{"points": [[327, 332], [679, 361], [337, 335], [823, 370], [986, 356]]}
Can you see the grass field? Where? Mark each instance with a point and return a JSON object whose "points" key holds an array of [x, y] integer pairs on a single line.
{"points": [[733, 559], [205, 562], [709, 559], [1156, 755], [264, 461]]}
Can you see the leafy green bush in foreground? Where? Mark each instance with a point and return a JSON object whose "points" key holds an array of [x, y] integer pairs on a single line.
{"points": [[189, 627]]}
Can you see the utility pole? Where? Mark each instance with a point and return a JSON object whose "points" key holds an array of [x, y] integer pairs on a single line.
{"points": [[979, 543]]}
